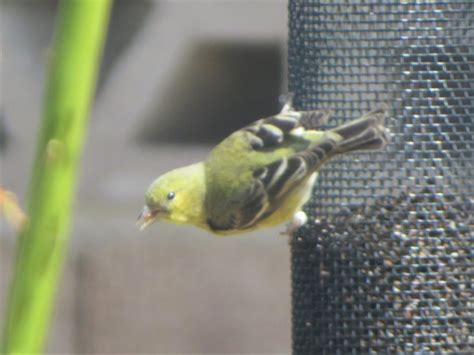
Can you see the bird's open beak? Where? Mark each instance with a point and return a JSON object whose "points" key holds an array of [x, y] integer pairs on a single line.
{"points": [[146, 217]]}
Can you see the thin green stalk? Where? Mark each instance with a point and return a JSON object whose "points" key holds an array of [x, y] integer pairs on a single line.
{"points": [[41, 248]]}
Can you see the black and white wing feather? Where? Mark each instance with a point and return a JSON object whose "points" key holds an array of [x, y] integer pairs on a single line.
{"points": [[280, 178], [270, 132]]}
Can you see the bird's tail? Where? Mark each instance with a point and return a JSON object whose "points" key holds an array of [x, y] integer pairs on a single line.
{"points": [[365, 133]]}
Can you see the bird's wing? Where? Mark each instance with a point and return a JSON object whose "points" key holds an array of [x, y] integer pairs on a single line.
{"points": [[271, 132], [246, 168], [269, 186]]}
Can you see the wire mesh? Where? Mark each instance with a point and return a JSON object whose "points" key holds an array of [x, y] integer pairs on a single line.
{"points": [[386, 262]]}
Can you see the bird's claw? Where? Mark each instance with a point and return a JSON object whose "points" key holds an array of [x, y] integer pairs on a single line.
{"points": [[299, 219], [287, 101]]}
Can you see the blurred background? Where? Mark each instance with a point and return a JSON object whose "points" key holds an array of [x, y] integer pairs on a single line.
{"points": [[176, 78]]}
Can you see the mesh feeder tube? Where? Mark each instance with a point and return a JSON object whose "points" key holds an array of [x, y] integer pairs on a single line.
{"points": [[386, 262]]}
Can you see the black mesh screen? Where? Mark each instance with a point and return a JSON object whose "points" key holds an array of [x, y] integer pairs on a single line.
{"points": [[386, 262]]}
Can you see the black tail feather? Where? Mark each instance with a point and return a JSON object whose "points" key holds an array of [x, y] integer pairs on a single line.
{"points": [[365, 133]]}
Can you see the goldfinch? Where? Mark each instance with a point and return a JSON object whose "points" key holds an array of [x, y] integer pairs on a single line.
{"points": [[261, 175]]}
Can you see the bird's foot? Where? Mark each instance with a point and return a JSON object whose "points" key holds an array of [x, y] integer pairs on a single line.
{"points": [[287, 101], [299, 219]]}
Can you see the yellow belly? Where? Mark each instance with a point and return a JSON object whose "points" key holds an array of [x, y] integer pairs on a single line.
{"points": [[292, 204]]}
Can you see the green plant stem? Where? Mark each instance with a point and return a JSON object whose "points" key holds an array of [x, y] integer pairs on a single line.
{"points": [[74, 61]]}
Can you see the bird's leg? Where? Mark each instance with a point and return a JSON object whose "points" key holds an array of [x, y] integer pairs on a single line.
{"points": [[287, 101], [299, 219]]}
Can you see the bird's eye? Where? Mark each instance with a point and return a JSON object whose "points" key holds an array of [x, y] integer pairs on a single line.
{"points": [[171, 195]]}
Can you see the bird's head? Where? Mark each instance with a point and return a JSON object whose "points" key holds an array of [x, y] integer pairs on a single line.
{"points": [[176, 196]]}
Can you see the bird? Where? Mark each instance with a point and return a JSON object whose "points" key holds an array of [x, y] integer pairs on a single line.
{"points": [[261, 175]]}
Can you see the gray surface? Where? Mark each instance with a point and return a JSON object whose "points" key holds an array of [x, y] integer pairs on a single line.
{"points": [[170, 288]]}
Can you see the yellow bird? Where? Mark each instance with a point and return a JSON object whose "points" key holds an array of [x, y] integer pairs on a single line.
{"points": [[261, 175]]}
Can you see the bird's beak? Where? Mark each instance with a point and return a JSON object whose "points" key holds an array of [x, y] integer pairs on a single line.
{"points": [[146, 217]]}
